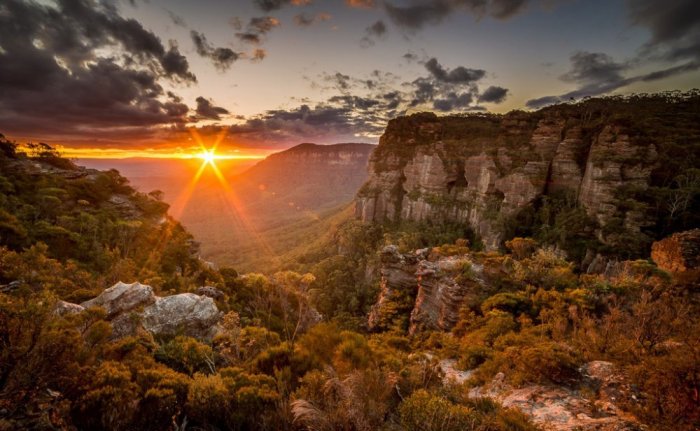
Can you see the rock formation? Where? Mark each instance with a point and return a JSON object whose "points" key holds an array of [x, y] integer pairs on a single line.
{"points": [[679, 252], [559, 408], [186, 314], [122, 298], [481, 170], [432, 289], [132, 306]]}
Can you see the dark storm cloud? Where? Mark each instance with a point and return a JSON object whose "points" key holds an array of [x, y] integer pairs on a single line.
{"points": [[458, 75], [373, 33], [206, 109], [79, 67], [222, 58], [493, 94]]}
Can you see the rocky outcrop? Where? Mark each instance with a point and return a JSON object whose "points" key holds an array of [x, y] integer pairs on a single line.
{"points": [[478, 170], [441, 292], [431, 288], [63, 308], [560, 408], [133, 306], [397, 286], [679, 252], [122, 298], [186, 314]]}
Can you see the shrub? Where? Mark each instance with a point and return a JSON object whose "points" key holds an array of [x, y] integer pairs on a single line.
{"points": [[429, 412]]}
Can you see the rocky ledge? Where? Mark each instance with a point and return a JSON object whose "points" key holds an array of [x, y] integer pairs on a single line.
{"points": [[130, 307], [558, 408]]}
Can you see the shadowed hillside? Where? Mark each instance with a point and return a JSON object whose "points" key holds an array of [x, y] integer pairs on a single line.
{"points": [[259, 214]]}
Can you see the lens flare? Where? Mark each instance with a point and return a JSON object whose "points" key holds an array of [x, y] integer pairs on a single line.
{"points": [[209, 156]]}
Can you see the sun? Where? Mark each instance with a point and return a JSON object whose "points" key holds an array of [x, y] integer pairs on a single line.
{"points": [[209, 156]]}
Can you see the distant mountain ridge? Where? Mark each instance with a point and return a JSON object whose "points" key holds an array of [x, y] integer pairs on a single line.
{"points": [[310, 176]]}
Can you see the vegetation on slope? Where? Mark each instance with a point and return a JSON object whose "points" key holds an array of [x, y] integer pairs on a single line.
{"points": [[294, 352]]}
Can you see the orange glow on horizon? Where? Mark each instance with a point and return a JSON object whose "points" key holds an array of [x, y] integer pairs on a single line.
{"points": [[235, 207], [165, 153]]}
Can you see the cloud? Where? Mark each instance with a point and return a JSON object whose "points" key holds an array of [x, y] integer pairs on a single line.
{"points": [[270, 5], [674, 27], [419, 13], [257, 28], [494, 94], [259, 54], [458, 75], [263, 24], [452, 101], [78, 68], [410, 57], [361, 4], [305, 20], [593, 68], [323, 123], [176, 19], [373, 33], [598, 74], [207, 110], [222, 58], [674, 37], [504, 9]]}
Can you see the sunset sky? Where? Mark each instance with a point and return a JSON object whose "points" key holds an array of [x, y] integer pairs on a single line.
{"points": [[132, 78]]}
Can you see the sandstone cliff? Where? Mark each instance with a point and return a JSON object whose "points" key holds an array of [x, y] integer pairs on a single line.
{"points": [[483, 170]]}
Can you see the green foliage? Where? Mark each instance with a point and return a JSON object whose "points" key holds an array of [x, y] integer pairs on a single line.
{"points": [[186, 355], [423, 411]]}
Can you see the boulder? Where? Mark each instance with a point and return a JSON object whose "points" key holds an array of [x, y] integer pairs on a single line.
{"points": [[62, 308], [210, 291], [122, 297], [186, 314]]}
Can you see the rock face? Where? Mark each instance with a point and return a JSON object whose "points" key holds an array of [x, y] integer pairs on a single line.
{"points": [[397, 286], [132, 306], [186, 313], [481, 169], [121, 298], [565, 409], [431, 288], [441, 292], [679, 252]]}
